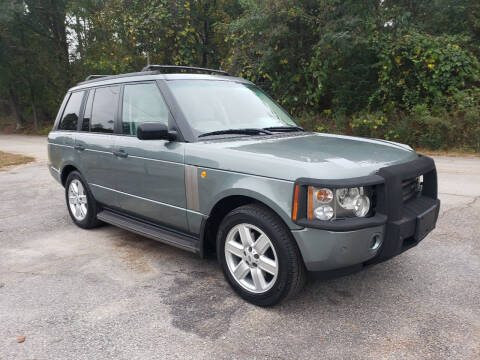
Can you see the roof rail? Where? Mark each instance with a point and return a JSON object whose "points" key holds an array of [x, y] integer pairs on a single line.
{"points": [[177, 67], [91, 77]]}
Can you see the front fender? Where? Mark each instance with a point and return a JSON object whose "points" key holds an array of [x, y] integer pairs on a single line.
{"points": [[274, 193]]}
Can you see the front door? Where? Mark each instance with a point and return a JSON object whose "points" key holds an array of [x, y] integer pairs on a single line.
{"points": [[150, 173]]}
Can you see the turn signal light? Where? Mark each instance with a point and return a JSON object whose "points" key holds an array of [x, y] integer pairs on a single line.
{"points": [[310, 203], [295, 203], [324, 195]]}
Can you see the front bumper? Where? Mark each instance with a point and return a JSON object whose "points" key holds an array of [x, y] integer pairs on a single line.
{"points": [[324, 250], [397, 225]]}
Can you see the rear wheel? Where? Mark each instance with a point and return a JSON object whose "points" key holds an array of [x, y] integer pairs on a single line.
{"points": [[80, 202], [258, 256]]}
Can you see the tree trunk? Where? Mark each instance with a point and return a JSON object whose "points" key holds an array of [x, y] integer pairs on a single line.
{"points": [[17, 112], [34, 109], [206, 30]]}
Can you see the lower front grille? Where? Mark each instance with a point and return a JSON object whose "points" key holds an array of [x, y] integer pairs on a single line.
{"points": [[410, 188]]}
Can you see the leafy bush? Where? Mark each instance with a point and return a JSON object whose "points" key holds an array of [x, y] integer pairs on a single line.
{"points": [[423, 69], [418, 128]]}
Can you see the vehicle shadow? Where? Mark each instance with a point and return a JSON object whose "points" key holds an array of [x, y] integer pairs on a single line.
{"points": [[201, 301]]}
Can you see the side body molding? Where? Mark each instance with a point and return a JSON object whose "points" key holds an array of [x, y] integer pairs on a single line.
{"points": [[191, 187]]}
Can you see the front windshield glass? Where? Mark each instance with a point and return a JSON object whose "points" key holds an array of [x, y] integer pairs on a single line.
{"points": [[212, 105]]}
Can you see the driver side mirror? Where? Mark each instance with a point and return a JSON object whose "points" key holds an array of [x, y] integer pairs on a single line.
{"points": [[155, 131]]}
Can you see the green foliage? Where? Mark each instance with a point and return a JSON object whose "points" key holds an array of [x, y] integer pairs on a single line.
{"points": [[400, 70], [420, 68]]}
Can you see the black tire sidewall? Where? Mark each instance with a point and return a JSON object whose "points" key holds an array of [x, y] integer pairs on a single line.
{"points": [[91, 218], [278, 235]]}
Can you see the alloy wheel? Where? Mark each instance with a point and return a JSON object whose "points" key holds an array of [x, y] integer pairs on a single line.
{"points": [[77, 200], [251, 258]]}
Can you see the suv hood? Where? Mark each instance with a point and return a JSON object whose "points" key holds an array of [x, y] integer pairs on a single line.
{"points": [[292, 156]]}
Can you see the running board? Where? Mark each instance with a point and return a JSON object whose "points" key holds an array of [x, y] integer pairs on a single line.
{"points": [[151, 231]]}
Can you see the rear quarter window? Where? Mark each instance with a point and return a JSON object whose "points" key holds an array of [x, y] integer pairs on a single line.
{"points": [[71, 113]]}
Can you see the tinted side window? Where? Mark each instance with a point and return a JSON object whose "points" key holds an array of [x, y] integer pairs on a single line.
{"points": [[142, 103], [71, 113], [103, 109], [88, 112]]}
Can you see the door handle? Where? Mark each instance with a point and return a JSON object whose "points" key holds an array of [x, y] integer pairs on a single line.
{"points": [[79, 147], [120, 153]]}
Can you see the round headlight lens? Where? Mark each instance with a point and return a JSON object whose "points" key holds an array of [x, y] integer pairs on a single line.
{"points": [[324, 196], [324, 212], [346, 197], [354, 199], [361, 205]]}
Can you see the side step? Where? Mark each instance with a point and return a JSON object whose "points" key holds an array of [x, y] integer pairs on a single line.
{"points": [[177, 239]]}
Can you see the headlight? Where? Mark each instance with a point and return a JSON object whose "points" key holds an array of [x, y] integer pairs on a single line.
{"points": [[361, 206], [324, 212], [354, 199], [328, 204]]}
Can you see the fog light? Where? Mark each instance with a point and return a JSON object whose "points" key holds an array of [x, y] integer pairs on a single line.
{"points": [[375, 242], [324, 212]]}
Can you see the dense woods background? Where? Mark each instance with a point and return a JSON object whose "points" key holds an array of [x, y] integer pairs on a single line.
{"points": [[404, 70]]}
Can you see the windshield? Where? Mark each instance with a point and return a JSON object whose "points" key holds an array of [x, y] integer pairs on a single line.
{"points": [[212, 105]]}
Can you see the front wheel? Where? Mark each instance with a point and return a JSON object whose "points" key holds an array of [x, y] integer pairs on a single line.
{"points": [[258, 256]]}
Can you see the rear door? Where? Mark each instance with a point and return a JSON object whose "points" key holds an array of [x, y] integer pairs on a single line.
{"points": [[150, 173], [95, 142]]}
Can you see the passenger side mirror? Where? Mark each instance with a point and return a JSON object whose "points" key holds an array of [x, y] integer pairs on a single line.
{"points": [[155, 131]]}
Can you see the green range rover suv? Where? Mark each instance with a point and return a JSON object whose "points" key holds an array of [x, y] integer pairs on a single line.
{"points": [[209, 163]]}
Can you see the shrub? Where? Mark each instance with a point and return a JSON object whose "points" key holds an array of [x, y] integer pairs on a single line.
{"points": [[423, 69]]}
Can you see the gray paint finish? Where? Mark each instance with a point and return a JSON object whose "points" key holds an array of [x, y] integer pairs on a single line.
{"points": [[338, 249], [97, 164], [160, 180], [60, 149], [292, 156], [220, 184], [153, 170]]}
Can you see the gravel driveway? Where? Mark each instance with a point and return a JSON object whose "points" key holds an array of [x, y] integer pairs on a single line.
{"points": [[110, 294]]}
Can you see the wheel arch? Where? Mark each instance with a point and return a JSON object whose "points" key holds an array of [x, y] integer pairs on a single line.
{"points": [[66, 170], [222, 207]]}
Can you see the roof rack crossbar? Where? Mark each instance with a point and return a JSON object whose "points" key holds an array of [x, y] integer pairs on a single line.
{"points": [[91, 77], [177, 67]]}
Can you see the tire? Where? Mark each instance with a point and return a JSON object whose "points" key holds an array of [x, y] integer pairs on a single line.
{"points": [[83, 209], [271, 242]]}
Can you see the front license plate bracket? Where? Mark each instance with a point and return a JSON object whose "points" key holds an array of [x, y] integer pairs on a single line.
{"points": [[426, 222]]}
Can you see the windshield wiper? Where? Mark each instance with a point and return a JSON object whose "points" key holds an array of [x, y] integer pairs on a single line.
{"points": [[284, 128], [247, 131]]}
